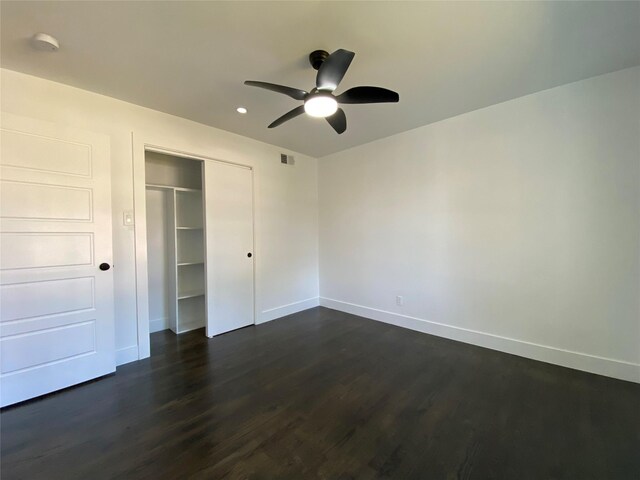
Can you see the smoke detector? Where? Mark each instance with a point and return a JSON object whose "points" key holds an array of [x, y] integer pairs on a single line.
{"points": [[44, 42]]}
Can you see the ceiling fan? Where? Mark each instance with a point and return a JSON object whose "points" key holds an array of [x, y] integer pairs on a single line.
{"points": [[320, 101]]}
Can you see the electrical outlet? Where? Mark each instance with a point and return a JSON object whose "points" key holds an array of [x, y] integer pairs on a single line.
{"points": [[399, 301]]}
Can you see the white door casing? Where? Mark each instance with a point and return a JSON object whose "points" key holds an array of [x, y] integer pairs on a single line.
{"points": [[228, 202], [56, 310]]}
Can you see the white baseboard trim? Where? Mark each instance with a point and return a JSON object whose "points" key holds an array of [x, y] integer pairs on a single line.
{"points": [[126, 355], [284, 310], [158, 324], [544, 353]]}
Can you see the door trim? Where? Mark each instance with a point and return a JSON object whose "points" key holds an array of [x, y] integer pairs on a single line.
{"points": [[140, 146]]}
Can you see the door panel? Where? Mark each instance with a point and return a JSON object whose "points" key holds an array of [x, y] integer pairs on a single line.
{"points": [[40, 347], [29, 151], [42, 250], [56, 321], [45, 202], [229, 239], [52, 298]]}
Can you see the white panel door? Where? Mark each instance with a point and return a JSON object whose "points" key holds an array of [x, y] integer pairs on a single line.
{"points": [[228, 191], [56, 315]]}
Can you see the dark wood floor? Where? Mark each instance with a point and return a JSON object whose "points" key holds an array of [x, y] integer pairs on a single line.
{"points": [[323, 394]]}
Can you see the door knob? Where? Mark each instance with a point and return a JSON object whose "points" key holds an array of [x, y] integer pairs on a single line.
{"points": [[104, 267], [249, 254]]}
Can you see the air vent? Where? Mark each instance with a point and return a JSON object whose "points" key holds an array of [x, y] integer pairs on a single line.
{"points": [[286, 159]]}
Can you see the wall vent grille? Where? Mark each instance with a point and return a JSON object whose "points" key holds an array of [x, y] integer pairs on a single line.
{"points": [[286, 159]]}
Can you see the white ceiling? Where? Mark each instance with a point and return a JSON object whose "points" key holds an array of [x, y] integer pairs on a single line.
{"points": [[444, 58]]}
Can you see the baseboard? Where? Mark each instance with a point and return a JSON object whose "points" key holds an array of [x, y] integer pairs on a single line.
{"points": [[284, 310], [544, 353], [158, 324], [126, 355]]}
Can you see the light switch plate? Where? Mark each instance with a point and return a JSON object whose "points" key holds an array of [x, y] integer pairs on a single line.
{"points": [[127, 218]]}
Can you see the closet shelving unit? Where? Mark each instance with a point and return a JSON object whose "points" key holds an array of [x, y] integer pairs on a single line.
{"points": [[185, 235]]}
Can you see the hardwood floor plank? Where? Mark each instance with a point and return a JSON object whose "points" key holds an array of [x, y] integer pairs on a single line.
{"points": [[328, 395]]}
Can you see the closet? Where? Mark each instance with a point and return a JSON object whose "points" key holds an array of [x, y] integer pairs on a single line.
{"points": [[199, 224], [175, 243]]}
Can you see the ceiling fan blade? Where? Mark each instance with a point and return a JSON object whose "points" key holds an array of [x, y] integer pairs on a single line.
{"points": [[333, 69], [290, 91], [288, 116], [338, 121], [368, 95]]}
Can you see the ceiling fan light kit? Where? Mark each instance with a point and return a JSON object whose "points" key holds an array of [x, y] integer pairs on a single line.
{"points": [[321, 102]]}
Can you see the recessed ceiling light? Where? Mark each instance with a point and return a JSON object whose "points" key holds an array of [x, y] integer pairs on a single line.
{"points": [[45, 42], [241, 110]]}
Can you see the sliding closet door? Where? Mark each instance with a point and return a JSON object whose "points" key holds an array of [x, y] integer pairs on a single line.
{"points": [[228, 191]]}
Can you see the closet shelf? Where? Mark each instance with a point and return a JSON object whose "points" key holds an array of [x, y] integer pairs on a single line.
{"points": [[173, 187], [188, 228], [190, 294], [200, 262]]}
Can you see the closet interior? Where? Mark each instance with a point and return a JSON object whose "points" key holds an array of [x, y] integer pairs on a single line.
{"points": [[175, 243]]}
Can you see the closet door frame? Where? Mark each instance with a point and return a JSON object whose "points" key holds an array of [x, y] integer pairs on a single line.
{"points": [[140, 145]]}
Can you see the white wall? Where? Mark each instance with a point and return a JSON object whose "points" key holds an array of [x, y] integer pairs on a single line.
{"points": [[285, 196], [157, 259], [515, 227]]}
